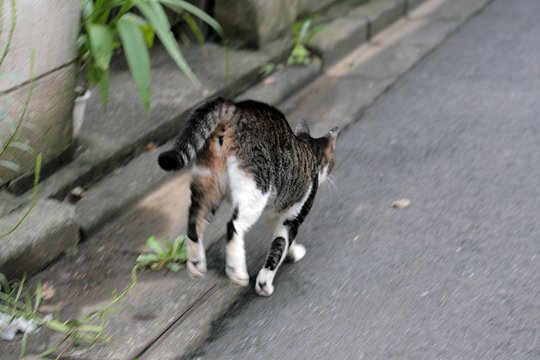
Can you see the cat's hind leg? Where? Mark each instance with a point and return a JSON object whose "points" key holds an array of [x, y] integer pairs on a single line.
{"points": [[206, 196], [284, 244], [248, 204]]}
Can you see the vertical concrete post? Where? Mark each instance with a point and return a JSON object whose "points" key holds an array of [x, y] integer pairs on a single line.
{"points": [[48, 29]]}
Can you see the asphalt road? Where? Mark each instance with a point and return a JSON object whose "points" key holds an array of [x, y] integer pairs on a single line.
{"points": [[456, 275]]}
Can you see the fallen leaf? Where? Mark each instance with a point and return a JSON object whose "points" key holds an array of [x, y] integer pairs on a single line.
{"points": [[50, 308], [47, 291], [401, 203], [150, 147], [269, 80]]}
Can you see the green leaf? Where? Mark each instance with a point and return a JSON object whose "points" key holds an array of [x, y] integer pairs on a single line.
{"points": [[104, 87], [90, 328], [99, 77], [4, 285], [137, 55], [171, 246], [180, 5], [145, 259], [37, 301], [182, 256], [312, 33], [154, 245], [157, 17], [190, 21], [179, 240], [101, 43], [10, 165], [82, 41], [87, 9], [23, 344], [49, 351], [102, 9], [173, 266], [303, 31], [149, 34]]}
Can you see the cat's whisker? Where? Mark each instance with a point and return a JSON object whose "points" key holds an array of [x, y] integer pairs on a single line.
{"points": [[332, 184]]}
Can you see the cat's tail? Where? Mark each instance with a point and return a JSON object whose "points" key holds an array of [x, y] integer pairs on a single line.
{"points": [[201, 123]]}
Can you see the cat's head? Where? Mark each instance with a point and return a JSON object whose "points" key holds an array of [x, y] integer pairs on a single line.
{"points": [[324, 147]]}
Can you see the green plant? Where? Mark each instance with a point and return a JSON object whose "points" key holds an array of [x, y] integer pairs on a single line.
{"points": [[304, 32], [168, 256], [19, 302], [109, 25]]}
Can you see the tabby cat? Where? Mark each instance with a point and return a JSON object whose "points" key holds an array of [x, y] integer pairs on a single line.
{"points": [[246, 152]]}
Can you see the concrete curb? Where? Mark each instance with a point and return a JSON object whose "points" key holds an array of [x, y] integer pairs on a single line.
{"points": [[36, 242]]}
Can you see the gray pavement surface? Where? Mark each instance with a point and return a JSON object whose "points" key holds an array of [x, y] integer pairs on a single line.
{"points": [[456, 275]]}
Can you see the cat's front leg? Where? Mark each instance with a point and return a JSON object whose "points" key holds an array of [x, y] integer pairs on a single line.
{"points": [[295, 252]]}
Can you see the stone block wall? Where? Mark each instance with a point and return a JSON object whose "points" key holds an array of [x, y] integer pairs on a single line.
{"points": [[47, 28], [258, 22]]}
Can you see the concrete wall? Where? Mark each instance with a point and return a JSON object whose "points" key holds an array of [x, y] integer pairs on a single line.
{"points": [[49, 28], [261, 21]]}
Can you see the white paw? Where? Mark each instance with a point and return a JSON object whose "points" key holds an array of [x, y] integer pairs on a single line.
{"points": [[196, 268], [196, 262], [263, 284], [296, 253], [238, 277]]}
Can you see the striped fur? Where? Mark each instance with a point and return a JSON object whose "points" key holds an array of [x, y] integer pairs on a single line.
{"points": [[201, 123], [247, 152]]}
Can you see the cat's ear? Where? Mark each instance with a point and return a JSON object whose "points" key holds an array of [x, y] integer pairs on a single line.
{"points": [[332, 136], [302, 128]]}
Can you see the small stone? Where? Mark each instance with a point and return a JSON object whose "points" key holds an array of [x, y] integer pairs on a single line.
{"points": [[401, 203], [47, 291], [269, 80], [150, 147], [75, 195]]}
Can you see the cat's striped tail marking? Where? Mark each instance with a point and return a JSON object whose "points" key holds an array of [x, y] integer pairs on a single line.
{"points": [[200, 124]]}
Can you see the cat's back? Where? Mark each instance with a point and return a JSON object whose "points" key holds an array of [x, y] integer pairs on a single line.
{"points": [[269, 149], [255, 118]]}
